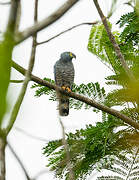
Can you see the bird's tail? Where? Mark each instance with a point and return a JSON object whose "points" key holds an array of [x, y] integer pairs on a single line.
{"points": [[63, 106]]}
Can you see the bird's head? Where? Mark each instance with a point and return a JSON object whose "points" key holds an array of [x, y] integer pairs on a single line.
{"points": [[67, 56]]}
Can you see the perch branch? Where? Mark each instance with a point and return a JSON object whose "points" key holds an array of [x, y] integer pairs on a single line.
{"points": [[69, 29], [46, 22], [84, 99], [115, 45]]}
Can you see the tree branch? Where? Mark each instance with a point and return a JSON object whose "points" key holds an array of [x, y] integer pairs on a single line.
{"points": [[5, 3], [84, 99], [115, 45], [46, 22], [69, 29], [112, 9], [129, 4], [13, 16], [19, 161], [41, 173], [27, 78], [16, 81], [2, 158], [32, 136], [66, 148], [6, 47], [18, 19]]}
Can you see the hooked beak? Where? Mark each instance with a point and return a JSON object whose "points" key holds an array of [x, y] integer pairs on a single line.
{"points": [[72, 55]]}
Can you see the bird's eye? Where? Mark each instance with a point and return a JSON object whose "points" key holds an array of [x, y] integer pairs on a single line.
{"points": [[70, 54]]}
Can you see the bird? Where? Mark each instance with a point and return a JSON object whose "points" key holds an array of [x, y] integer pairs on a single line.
{"points": [[64, 77]]}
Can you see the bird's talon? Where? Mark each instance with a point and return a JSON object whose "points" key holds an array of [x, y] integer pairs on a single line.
{"points": [[68, 89], [63, 87]]}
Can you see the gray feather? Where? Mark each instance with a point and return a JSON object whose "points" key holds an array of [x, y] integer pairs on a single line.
{"points": [[64, 76]]}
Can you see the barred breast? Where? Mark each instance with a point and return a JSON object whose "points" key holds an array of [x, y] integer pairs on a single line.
{"points": [[64, 73]]}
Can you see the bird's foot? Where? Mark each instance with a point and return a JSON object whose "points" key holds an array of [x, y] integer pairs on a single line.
{"points": [[66, 88], [63, 87]]}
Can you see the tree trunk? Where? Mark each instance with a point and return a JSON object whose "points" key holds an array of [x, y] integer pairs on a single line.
{"points": [[2, 158]]}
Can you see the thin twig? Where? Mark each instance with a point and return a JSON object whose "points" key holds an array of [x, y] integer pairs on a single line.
{"points": [[32, 136], [41, 173], [16, 81], [2, 158], [114, 43], [66, 147], [27, 79], [129, 4], [46, 22], [84, 99], [18, 19], [19, 161], [69, 29], [112, 9], [13, 16]]}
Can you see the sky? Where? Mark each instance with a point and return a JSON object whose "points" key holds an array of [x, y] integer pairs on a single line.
{"points": [[38, 116]]}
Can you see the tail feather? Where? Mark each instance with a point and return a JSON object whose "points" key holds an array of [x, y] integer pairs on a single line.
{"points": [[64, 106]]}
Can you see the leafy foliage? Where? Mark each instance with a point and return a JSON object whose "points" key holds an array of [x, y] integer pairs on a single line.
{"points": [[106, 145], [130, 34], [100, 45], [99, 146], [41, 90], [127, 169]]}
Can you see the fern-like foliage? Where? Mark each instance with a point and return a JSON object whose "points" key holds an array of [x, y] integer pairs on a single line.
{"points": [[100, 45], [110, 178], [90, 90], [130, 34], [95, 147], [42, 90], [128, 91], [104, 146], [124, 170]]}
